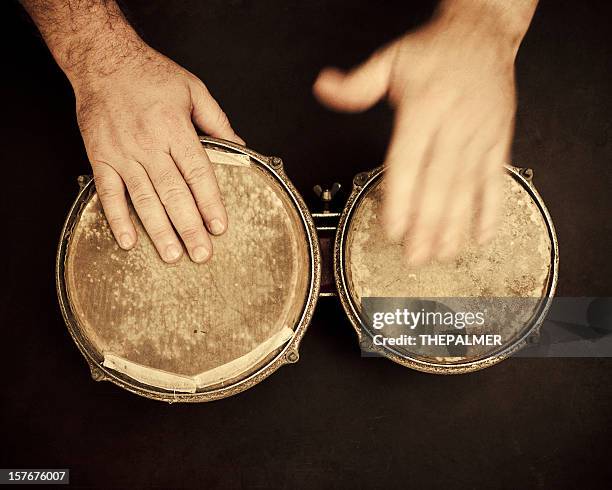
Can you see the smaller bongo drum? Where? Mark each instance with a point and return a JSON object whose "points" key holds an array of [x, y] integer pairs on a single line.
{"points": [[197, 332], [513, 277]]}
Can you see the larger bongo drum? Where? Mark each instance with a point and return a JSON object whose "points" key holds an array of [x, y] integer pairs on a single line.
{"points": [[198, 332], [186, 331]]}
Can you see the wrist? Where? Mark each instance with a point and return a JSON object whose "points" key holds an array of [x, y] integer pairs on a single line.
{"points": [[87, 39], [505, 23], [88, 59]]}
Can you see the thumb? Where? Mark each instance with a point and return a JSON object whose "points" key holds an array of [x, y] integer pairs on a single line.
{"points": [[209, 117], [358, 89]]}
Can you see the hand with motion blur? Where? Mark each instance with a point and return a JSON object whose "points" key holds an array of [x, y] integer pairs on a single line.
{"points": [[452, 86]]}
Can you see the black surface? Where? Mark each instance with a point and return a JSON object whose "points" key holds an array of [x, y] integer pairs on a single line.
{"points": [[333, 419]]}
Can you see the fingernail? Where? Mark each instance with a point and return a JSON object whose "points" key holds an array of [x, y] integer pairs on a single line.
{"points": [[173, 252], [200, 254], [216, 227], [126, 241]]}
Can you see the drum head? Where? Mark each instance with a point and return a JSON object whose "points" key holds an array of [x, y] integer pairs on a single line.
{"points": [[187, 327], [511, 277]]}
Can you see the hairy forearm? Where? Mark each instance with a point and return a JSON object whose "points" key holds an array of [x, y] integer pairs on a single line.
{"points": [[87, 38]]}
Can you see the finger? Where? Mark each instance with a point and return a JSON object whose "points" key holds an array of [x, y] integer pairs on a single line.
{"points": [[409, 151], [360, 88], [199, 174], [111, 192], [460, 207], [209, 117], [490, 190], [455, 226], [448, 193], [179, 204], [488, 202], [151, 212], [434, 191]]}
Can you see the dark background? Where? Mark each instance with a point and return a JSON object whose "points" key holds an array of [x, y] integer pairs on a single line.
{"points": [[334, 419]]}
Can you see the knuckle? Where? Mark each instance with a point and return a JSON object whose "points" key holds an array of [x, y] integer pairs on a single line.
{"points": [[99, 161], [147, 145], [190, 233], [134, 183], [114, 220], [198, 173], [104, 183], [167, 178], [141, 196], [173, 196], [212, 200], [161, 234], [108, 192], [143, 200]]}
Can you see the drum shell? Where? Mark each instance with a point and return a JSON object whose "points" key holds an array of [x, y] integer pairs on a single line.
{"points": [[289, 353], [361, 183]]}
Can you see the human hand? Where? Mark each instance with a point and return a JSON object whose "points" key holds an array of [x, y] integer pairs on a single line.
{"points": [[136, 113], [452, 86]]}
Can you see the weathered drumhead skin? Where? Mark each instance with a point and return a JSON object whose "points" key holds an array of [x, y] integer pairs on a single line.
{"points": [[515, 264], [185, 318]]}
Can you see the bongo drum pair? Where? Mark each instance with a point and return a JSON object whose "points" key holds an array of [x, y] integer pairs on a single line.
{"points": [[197, 332]]}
